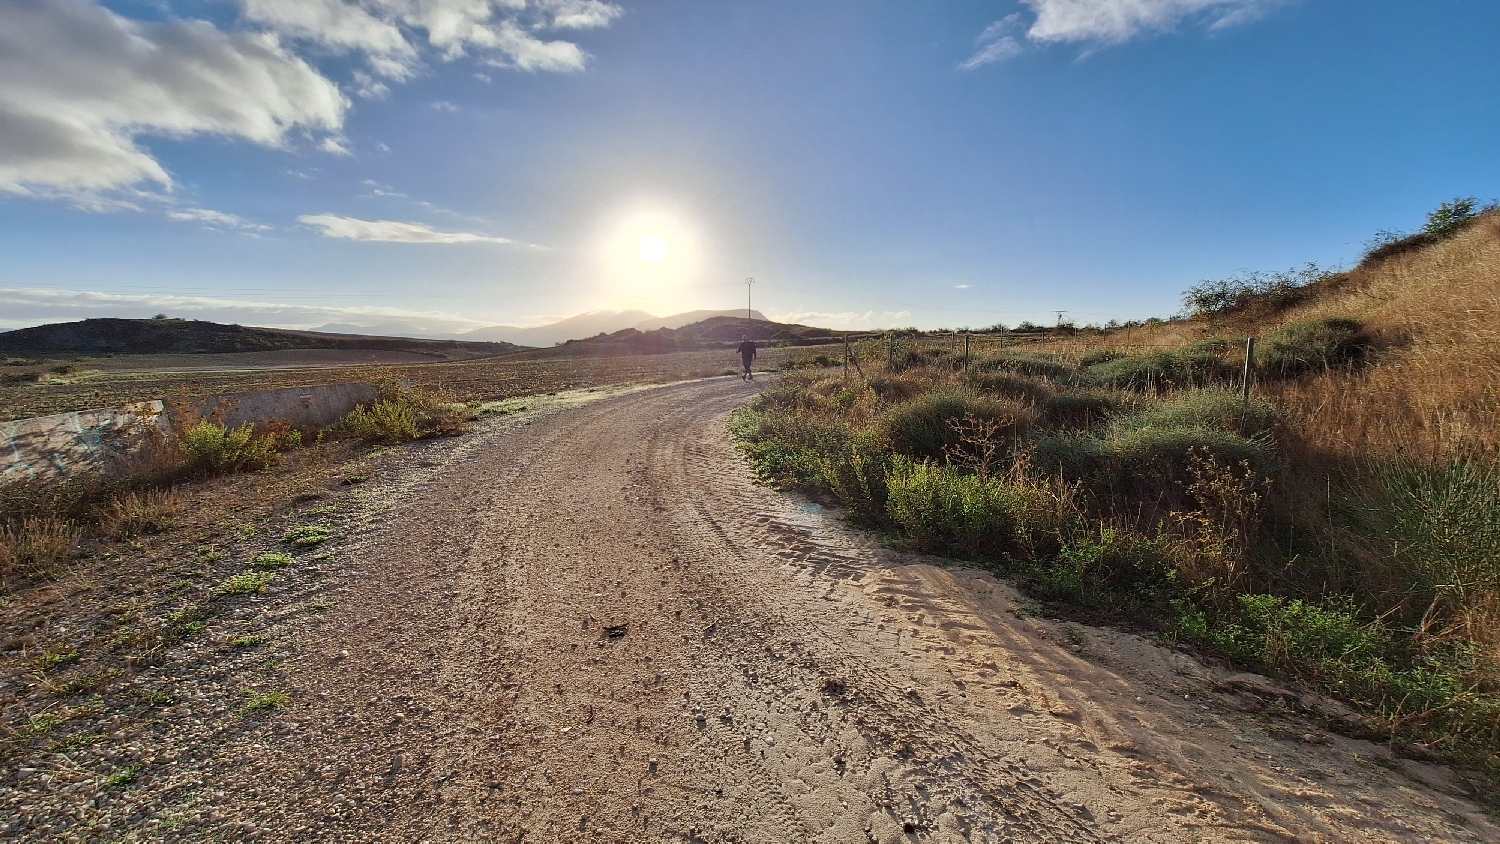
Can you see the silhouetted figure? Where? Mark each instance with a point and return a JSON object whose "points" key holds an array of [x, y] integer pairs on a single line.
{"points": [[747, 355]]}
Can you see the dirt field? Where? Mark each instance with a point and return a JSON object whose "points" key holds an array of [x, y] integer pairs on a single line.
{"points": [[114, 381], [585, 622]]}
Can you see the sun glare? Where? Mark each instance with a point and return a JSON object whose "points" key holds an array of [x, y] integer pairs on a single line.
{"points": [[653, 248], [650, 258]]}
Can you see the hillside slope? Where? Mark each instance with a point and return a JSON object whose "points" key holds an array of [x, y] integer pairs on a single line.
{"points": [[718, 332], [162, 336]]}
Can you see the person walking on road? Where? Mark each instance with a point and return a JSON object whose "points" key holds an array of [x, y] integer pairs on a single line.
{"points": [[747, 355]]}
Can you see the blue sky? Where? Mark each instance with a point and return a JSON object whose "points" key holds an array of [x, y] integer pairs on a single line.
{"points": [[468, 162]]}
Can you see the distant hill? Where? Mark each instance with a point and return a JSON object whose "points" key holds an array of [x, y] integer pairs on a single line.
{"points": [[593, 324], [172, 336], [718, 332]]}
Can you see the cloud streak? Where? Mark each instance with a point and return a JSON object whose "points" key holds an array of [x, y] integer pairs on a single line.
{"points": [[1105, 22], [391, 231], [26, 307]]}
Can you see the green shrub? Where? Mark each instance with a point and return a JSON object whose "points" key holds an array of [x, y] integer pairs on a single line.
{"points": [[1075, 409], [1025, 363], [271, 560], [946, 511], [1009, 385], [1259, 289], [1187, 367], [1450, 218], [856, 472], [923, 428], [1114, 569], [1099, 356], [247, 583], [1442, 525], [1316, 345], [210, 448], [786, 448], [307, 535], [383, 422], [1212, 409]]}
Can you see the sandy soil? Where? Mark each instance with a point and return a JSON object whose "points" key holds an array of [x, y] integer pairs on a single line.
{"points": [[589, 624]]}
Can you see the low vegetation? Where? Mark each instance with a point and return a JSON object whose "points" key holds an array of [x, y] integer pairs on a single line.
{"points": [[1337, 528]]}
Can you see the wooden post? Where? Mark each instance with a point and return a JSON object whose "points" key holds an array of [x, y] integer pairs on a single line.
{"points": [[1249, 367], [966, 351], [890, 351], [846, 357]]}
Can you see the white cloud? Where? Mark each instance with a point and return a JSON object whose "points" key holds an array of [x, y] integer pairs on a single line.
{"points": [[444, 105], [215, 219], [82, 83], [499, 32], [335, 146], [1104, 22], [392, 231], [1117, 21], [962, 286], [26, 307], [343, 27]]}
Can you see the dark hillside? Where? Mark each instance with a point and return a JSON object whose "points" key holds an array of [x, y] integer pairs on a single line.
{"points": [[172, 336], [714, 333]]}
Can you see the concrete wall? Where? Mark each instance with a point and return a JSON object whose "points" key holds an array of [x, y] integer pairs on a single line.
{"points": [[307, 408], [52, 447]]}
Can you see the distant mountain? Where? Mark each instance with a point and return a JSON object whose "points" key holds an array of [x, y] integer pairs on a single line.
{"points": [[592, 324], [176, 336], [719, 332]]}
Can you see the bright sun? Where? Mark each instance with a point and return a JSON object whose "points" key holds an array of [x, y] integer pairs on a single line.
{"points": [[653, 248]]}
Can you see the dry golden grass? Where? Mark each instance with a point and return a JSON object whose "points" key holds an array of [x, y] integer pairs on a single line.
{"points": [[1435, 385]]}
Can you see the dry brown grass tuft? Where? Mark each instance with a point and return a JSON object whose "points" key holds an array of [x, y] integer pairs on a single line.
{"points": [[35, 545]]}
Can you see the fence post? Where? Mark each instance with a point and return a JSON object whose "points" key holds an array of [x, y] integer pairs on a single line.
{"points": [[890, 351], [1249, 377], [846, 357], [966, 351]]}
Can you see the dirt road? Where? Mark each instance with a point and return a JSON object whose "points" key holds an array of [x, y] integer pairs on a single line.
{"points": [[594, 626]]}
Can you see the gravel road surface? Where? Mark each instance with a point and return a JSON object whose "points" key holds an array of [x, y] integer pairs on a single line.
{"points": [[589, 624]]}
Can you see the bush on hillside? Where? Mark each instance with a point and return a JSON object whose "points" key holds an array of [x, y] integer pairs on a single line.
{"points": [[1010, 385], [924, 427], [1025, 363], [1311, 346], [1273, 290], [1079, 409], [1202, 410], [1190, 366]]}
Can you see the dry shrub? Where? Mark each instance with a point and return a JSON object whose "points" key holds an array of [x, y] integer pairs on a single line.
{"points": [[137, 513], [34, 545]]}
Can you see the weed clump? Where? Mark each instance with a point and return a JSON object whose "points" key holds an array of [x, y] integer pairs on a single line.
{"points": [[211, 448], [305, 536], [404, 413], [247, 583], [1318, 345], [34, 545]]}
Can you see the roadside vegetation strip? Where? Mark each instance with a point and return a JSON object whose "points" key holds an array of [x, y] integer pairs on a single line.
{"points": [[1143, 488]]}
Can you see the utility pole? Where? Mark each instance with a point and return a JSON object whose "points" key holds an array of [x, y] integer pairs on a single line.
{"points": [[748, 282]]}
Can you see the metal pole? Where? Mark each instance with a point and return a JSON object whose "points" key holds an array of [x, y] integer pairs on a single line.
{"points": [[748, 282], [1249, 367]]}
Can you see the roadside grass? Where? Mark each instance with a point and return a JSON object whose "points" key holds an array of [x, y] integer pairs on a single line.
{"points": [[305, 536], [261, 703], [1142, 488]]}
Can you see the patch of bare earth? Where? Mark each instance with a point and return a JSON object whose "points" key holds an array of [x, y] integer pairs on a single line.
{"points": [[589, 624]]}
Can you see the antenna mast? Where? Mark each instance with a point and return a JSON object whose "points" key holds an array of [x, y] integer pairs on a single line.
{"points": [[748, 282]]}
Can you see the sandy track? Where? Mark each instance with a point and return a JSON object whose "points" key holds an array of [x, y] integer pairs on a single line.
{"points": [[595, 627]]}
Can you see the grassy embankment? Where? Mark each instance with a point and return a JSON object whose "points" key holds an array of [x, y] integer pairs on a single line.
{"points": [[1342, 529]]}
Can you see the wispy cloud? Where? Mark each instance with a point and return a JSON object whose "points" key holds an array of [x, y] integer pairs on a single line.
{"points": [[215, 219], [999, 41], [391, 231], [1106, 22], [24, 307]]}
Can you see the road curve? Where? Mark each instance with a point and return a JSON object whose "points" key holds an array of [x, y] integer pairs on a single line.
{"points": [[594, 626]]}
